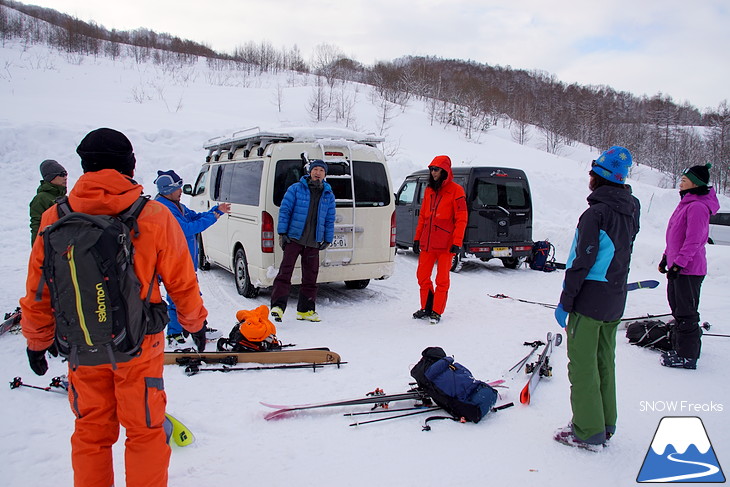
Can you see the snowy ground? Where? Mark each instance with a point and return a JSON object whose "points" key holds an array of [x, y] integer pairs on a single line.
{"points": [[50, 102]]}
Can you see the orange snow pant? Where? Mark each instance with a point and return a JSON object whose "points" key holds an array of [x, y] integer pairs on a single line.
{"points": [[133, 395], [426, 261]]}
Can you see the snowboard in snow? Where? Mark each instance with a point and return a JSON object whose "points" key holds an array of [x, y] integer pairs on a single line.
{"points": [[308, 355], [541, 368]]}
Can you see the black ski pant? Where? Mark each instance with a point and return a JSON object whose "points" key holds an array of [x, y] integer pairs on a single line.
{"points": [[683, 294], [310, 271]]}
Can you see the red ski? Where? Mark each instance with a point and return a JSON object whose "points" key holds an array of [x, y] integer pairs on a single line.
{"points": [[541, 368]]}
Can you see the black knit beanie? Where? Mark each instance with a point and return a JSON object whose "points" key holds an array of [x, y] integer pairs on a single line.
{"points": [[700, 175], [106, 149]]}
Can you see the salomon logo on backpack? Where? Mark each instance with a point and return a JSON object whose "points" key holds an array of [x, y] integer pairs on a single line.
{"points": [[452, 386], [88, 267], [543, 256]]}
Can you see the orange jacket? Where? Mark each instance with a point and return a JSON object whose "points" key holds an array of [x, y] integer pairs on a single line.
{"points": [[443, 216], [160, 249]]}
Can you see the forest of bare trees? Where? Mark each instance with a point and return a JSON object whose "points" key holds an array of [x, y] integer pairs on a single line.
{"points": [[470, 96]]}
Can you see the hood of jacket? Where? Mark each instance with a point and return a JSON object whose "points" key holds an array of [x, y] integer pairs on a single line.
{"points": [[105, 192], [709, 200], [618, 199]]}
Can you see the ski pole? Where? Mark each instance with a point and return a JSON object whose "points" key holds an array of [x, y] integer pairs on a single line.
{"points": [[636, 318], [534, 345], [380, 411], [424, 410], [18, 382]]}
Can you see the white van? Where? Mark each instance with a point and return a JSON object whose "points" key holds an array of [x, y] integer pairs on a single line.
{"points": [[252, 170]]}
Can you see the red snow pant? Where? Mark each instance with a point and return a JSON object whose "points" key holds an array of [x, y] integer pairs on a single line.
{"points": [[426, 261], [133, 395]]}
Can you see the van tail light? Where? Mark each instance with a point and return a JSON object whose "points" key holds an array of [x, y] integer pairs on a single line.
{"points": [[267, 233], [392, 230]]}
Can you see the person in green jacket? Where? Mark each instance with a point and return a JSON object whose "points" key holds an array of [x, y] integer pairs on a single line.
{"points": [[53, 185]]}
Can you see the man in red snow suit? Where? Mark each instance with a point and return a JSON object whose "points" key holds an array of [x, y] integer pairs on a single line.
{"points": [[129, 393], [439, 235]]}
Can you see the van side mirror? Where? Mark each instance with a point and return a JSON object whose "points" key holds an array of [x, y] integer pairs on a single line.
{"points": [[187, 189]]}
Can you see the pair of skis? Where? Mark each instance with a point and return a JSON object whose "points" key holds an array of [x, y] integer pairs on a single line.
{"points": [[174, 428], [318, 356], [12, 321], [540, 368]]}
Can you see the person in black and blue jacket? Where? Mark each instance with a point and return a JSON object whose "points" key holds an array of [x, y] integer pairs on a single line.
{"points": [[306, 225], [594, 297]]}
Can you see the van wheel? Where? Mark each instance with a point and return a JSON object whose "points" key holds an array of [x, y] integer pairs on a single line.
{"points": [[243, 278], [203, 263], [511, 262], [358, 284], [456, 263]]}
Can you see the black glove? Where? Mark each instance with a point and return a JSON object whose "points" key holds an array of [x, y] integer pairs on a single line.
{"points": [[323, 245], [283, 240], [37, 360], [663, 264], [199, 338], [455, 249], [673, 272], [416, 246]]}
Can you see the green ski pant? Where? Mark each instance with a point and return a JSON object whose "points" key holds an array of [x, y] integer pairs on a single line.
{"points": [[592, 375]]}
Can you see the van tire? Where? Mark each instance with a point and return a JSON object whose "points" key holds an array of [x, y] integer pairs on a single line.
{"points": [[242, 277], [203, 263], [357, 284], [456, 263]]}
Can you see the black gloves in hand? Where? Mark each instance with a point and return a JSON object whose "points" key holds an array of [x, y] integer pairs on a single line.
{"points": [[199, 338], [673, 272], [455, 249], [663, 264], [323, 245], [37, 360], [283, 240], [416, 246]]}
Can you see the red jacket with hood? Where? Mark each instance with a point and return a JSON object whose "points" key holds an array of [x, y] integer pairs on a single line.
{"points": [[443, 216]]}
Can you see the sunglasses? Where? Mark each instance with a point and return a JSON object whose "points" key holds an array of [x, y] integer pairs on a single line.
{"points": [[434, 169]]}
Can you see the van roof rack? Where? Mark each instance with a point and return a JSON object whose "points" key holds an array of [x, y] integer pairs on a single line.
{"points": [[254, 136]]}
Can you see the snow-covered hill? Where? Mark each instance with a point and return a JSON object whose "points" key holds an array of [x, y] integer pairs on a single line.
{"points": [[50, 101]]}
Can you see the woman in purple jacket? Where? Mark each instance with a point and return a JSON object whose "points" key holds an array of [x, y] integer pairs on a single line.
{"points": [[685, 264]]}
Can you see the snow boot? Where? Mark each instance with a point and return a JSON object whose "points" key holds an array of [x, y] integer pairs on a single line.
{"points": [[566, 436], [434, 318], [421, 314], [308, 316], [277, 313], [672, 359]]}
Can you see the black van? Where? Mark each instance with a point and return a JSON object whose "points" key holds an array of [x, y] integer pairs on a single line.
{"points": [[500, 213]]}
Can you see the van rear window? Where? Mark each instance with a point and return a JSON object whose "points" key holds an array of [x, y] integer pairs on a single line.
{"points": [[370, 182], [504, 193]]}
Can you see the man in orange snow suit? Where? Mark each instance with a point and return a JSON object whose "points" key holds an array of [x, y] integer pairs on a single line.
{"points": [[439, 235], [132, 392]]}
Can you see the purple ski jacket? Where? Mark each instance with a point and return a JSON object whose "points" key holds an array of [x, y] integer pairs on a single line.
{"points": [[687, 232]]}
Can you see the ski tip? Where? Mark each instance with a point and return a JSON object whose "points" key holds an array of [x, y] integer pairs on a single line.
{"points": [[525, 396], [177, 432]]}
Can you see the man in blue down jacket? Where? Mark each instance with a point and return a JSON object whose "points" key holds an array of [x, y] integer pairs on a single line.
{"points": [[594, 297], [306, 226], [169, 189]]}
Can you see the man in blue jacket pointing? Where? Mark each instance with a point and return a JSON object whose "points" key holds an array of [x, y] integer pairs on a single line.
{"points": [[169, 189], [306, 226]]}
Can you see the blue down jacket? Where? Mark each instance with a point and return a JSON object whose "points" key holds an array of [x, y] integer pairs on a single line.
{"points": [[294, 209]]}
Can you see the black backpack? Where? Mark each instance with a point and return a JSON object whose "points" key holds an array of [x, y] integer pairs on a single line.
{"points": [[452, 386], [543, 256], [88, 267], [651, 334]]}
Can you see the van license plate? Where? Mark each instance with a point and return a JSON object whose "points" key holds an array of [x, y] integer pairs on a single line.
{"points": [[502, 252], [339, 241]]}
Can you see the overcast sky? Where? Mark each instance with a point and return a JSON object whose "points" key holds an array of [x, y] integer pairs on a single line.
{"points": [[679, 48]]}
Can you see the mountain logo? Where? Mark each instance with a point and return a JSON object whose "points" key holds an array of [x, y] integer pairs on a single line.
{"points": [[681, 452]]}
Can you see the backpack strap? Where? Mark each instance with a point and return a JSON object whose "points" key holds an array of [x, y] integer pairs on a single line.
{"points": [[130, 215]]}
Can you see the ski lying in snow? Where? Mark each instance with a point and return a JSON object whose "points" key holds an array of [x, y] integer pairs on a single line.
{"points": [[195, 368], [177, 432], [11, 321], [633, 286], [377, 398], [307, 355], [541, 368]]}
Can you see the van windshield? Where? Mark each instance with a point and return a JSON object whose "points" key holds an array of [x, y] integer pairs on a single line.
{"points": [[492, 193], [370, 182]]}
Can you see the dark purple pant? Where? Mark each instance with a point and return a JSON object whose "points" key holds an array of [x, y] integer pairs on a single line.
{"points": [[310, 270]]}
